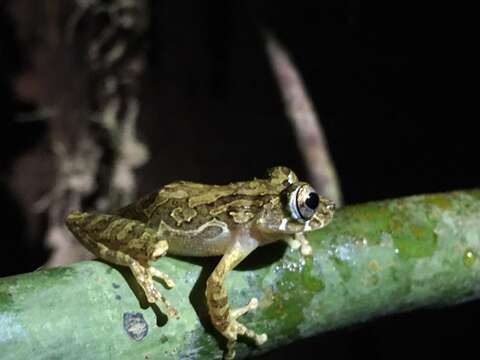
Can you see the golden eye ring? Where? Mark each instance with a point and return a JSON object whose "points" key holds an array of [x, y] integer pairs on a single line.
{"points": [[303, 202]]}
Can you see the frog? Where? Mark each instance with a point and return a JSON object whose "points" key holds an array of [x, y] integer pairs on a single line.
{"points": [[193, 219]]}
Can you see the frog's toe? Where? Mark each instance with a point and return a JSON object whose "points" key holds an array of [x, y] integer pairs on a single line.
{"points": [[258, 339], [236, 329], [252, 305], [230, 354], [294, 244], [261, 339], [306, 250], [152, 294], [171, 311], [151, 299], [162, 276]]}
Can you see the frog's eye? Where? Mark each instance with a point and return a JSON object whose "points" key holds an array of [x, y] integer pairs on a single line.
{"points": [[303, 202]]}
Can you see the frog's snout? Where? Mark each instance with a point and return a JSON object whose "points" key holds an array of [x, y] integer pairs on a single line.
{"points": [[331, 206], [328, 205]]}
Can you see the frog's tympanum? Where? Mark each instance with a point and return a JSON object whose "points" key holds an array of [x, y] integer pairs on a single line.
{"points": [[185, 218]]}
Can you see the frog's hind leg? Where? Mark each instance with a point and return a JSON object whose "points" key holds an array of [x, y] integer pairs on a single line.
{"points": [[124, 242], [223, 318]]}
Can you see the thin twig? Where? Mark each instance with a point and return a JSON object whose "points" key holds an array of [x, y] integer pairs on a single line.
{"points": [[310, 136]]}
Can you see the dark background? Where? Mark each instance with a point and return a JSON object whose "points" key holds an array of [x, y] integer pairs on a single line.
{"points": [[387, 79]]}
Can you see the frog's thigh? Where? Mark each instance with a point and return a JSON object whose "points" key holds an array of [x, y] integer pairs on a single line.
{"points": [[224, 319], [129, 236]]}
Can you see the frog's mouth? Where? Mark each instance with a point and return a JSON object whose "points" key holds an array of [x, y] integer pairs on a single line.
{"points": [[322, 216], [287, 226]]}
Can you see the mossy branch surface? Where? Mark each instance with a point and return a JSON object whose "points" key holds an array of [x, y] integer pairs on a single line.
{"points": [[372, 260]]}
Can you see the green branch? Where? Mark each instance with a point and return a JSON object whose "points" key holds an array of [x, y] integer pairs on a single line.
{"points": [[373, 259]]}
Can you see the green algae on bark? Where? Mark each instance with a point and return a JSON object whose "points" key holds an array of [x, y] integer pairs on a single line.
{"points": [[373, 259]]}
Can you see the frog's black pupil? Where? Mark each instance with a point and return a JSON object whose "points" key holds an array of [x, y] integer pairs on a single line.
{"points": [[312, 201]]}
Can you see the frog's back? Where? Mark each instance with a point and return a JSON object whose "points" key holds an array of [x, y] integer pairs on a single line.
{"points": [[169, 205], [197, 219], [187, 205]]}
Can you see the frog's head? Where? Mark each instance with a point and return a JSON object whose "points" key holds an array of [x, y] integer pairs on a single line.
{"points": [[296, 208]]}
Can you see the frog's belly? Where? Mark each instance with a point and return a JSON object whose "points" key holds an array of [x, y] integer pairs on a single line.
{"points": [[208, 240]]}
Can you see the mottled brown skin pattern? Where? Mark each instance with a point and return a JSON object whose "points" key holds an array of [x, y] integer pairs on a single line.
{"points": [[193, 219]]}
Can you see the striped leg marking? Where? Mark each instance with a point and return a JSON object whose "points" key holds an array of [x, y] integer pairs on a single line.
{"points": [[124, 242], [223, 318]]}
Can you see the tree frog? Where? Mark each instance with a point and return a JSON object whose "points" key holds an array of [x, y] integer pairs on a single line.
{"points": [[192, 219]]}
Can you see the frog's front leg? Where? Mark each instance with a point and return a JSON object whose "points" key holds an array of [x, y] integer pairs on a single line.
{"points": [[223, 318], [124, 242]]}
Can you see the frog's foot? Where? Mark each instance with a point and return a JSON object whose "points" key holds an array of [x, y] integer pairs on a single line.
{"points": [[143, 275], [300, 241], [235, 329], [144, 278]]}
